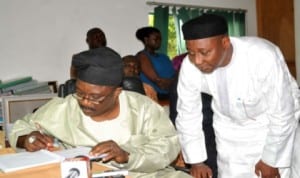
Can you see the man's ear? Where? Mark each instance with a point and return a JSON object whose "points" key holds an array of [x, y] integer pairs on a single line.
{"points": [[226, 41], [117, 91]]}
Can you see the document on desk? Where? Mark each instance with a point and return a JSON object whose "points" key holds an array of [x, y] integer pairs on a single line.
{"points": [[23, 160], [111, 173], [78, 151]]}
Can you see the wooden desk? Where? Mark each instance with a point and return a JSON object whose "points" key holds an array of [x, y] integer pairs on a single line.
{"points": [[6, 151], [2, 139], [46, 171]]}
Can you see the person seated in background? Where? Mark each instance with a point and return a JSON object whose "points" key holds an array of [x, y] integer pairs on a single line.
{"points": [[95, 38], [134, 132], [132, 69], [156, 68], [177, 60]]}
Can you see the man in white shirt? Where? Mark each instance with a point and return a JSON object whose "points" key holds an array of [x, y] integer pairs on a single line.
{"points": [[255, 102]]}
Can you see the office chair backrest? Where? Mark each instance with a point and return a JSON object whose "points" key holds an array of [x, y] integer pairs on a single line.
{"points": [[67, 88], [133, 84]]}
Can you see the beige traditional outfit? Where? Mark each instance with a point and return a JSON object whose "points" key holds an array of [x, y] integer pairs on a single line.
{"points": [[142, 129]]}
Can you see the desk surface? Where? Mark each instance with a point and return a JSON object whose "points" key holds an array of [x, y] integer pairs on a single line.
{"points": [[46, 171], [6, 151]]}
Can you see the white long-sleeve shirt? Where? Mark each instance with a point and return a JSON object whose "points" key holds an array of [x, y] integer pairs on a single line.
{"points": [[254, 102]]}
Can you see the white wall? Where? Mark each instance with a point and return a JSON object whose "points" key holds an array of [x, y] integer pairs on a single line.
{"points": [[38, 37]]}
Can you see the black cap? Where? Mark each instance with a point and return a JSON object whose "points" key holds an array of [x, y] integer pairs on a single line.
{"points": [[204, 26], [99, 66]]}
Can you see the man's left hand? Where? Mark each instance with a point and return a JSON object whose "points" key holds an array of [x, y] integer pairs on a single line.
{"points": [[266, 171], [113, 151]]}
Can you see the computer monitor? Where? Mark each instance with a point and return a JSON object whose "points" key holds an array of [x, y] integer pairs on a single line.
{"points": [[17, 106]]}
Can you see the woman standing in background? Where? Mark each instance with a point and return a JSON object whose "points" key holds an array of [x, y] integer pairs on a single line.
{"points": [[156, 68]]}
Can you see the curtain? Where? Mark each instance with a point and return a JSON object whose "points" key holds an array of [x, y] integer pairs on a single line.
{"points": [[161, 21], [181, 16], [236, 22], [240, 24], [235, 19]]}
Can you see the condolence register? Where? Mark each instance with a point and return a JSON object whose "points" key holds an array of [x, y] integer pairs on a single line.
{"points": [[44, 163]]}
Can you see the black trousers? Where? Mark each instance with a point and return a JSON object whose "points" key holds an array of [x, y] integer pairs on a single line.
{"points": [[209, 134]]}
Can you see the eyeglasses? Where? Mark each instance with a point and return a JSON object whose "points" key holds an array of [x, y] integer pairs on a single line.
{"points": [[91, 99]]}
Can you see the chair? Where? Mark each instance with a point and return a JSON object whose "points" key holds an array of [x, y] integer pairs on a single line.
{"points": [[133, 84], [67, 88]]}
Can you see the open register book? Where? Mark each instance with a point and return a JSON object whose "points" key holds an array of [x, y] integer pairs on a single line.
{"points": [[23, 160], [78, 151], [111, 174]]}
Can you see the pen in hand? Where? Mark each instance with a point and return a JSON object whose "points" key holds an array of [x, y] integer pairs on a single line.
{"points": [[39, 128], [50, 145]]}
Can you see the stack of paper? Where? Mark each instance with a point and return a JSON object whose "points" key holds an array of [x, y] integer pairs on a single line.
{"points": [[78, 151], [111, 173]]}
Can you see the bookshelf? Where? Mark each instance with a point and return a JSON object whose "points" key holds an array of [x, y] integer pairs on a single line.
{"points": [[20, 96]]}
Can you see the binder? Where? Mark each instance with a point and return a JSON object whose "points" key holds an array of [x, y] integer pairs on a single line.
{"points": [[15, 81], [21, 86]]}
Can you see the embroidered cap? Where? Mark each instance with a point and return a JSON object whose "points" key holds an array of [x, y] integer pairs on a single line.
{"points": [[204, 26], [99, 66]]}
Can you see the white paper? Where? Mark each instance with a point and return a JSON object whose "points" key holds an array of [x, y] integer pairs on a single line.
{"points": [[111, 173], [78, 151], [18, 161]]}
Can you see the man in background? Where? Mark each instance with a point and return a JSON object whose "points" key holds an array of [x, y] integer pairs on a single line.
{"points": [[95, 38]]}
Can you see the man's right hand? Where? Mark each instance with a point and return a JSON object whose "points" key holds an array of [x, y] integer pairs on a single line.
{"points": [[200, 170], [35, 141]]}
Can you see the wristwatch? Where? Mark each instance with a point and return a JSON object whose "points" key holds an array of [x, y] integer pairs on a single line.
{"points": [[31, 139]]}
